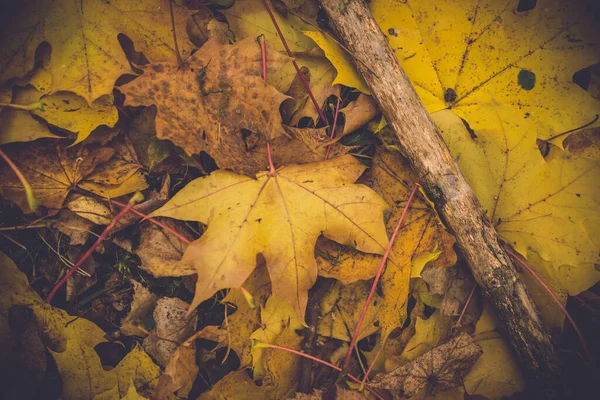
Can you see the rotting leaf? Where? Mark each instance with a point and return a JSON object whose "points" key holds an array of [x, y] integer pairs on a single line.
{"points": [[205, 106], [171, 324], [141, 306], [279, 216], [160, 251], [442, 368], [51, 170]]}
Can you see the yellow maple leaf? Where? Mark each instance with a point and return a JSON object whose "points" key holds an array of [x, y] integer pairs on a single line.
{"points": [[551, 205], [87, 57], [279, 216], [64, 109], [71, 342], [345, 76], [420, 234]]}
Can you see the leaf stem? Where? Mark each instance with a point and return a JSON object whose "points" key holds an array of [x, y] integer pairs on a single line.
{"points": [[464, 310], [294, 63], [24, 107], [378, 276], [139, 213], [263, 51], [31, 200], [179, 60], [134, 199], [556, 300], [313, 358], [335, 118]]}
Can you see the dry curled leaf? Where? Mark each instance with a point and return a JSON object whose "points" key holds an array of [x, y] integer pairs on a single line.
{"points": [[442, 368]]}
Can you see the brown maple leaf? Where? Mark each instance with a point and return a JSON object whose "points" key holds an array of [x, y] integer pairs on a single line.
{"points": [[442, 368], [51, 170], [206, 105]]}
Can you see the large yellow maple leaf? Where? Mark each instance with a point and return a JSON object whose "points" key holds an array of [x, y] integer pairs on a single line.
{"points": [[280, 216], [87, 57], [509, 76]]}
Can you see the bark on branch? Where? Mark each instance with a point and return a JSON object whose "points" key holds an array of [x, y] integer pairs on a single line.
{"points": [[454, 199]]}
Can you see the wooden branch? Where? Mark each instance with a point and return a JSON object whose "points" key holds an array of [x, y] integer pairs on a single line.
{"points": [[447, 187]]}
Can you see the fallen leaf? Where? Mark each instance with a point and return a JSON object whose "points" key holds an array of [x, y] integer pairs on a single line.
{"points": [[77, 228], [248, 18], [172, 327], [121, 175], [71, 342], [204, 106], [180, 373], [334, 53], [19, 125], [87, 57], [341, 308], [422, 232], [496, 375], [143, 303], [428, 333], [160, 251], [358, 112], [442, 368], [454, 284], [90, 209], [50, 169], [548, 205], [279, 216], [142, 132], [550, 312], [237, 328], [276, 317], [235, 385]]}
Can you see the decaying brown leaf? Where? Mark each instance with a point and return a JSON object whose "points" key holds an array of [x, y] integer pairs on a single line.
{"points": [[143, 303], [160, 251], [440, 369], [50, 169], [172, 325], [205, 106]]}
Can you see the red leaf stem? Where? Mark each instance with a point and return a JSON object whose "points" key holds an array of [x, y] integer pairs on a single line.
{"points": [[335, 367], [89, 252], [556, 300], [462, 313], [300, 75], [378, 276], [335, 117]]}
